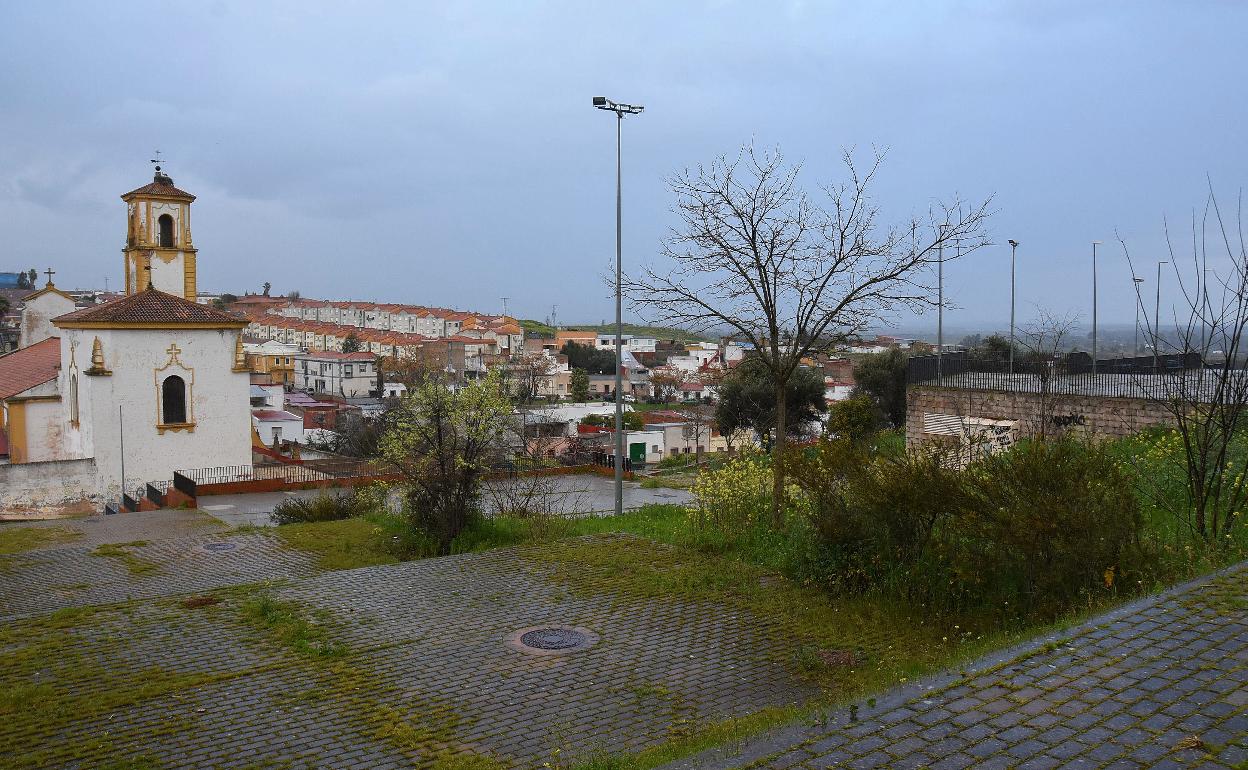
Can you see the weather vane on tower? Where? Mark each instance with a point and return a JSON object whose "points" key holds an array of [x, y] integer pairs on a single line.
{"points": [[157, 160]]}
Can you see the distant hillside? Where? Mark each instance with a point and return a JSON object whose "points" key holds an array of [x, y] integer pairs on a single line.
{"points": [[660, 332]]}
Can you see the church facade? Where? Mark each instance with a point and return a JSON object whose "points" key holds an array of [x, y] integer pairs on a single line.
{"points": [[132, 389]]}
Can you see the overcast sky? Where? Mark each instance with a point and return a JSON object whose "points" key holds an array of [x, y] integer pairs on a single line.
{"points": [[448, 153]]}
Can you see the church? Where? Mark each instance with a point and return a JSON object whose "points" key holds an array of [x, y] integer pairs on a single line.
{"points": [[102, 400]]}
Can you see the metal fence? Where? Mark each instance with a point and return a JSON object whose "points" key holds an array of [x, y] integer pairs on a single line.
{"points": [[187, 481], [1140, 377]]}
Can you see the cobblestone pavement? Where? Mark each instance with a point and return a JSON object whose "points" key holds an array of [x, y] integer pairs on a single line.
{"points": [[98, 529], [103, 666], [1161, 683]]}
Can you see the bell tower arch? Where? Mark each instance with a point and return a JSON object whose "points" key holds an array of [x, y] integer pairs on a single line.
{"points": [[158, 250]]}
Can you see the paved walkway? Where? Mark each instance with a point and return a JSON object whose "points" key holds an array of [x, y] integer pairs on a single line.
{"points": [[1161, 683], [120, 661]]}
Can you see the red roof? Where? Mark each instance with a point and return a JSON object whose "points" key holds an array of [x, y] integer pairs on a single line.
{"points": [[339, 356], [161, 186], [273, 414], [150, 306], [23, 369]]}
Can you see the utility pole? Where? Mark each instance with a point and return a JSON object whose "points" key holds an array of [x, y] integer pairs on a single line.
{"points": [[1135, 348], [620, 110], [1094, 245], [1013, 253], [1157, 320]]}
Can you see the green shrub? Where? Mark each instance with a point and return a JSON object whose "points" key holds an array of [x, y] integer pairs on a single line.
{"points": [[855, 419], [730, 499], [328, 506], [874, 516], [1032, 531], [1053, 523]]}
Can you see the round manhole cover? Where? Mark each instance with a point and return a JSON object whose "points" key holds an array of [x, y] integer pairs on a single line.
{"points": [[553, 639], [219, 547]]}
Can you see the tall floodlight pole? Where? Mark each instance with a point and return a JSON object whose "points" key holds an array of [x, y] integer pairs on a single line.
{"points": [[1013, 253], [1094, 245], [940, 307], [1157, 319], [1135, 348], [620, 110]]}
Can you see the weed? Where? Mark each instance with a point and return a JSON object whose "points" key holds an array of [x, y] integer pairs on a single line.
{"points": [[18, 539]]}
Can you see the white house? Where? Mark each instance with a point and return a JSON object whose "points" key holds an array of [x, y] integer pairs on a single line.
{"points": [[276, 425], [351, 375]]}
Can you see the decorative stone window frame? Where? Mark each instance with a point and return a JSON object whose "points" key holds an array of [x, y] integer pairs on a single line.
{"points": [[188, 379]]}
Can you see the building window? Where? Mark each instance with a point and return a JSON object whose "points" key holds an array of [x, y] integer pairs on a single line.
{"points": [[165, 223], [348, 371], [173, 400]]}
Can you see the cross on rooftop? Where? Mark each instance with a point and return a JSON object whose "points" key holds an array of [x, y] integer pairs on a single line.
{"points": [[49, 272]]}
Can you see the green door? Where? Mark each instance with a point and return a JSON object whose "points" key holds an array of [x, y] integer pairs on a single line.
{"points": [[637, 452]]}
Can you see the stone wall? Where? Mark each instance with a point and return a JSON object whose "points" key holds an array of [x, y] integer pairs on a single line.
{"points": [[1113, 417], [48, 484]]}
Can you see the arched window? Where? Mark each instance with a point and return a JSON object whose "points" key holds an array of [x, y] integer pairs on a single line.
{"points": [[173, 400], [165, 222], [73, 398]]}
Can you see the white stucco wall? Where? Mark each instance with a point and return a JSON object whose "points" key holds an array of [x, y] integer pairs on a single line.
{"points": [[37, 315], [218, 402], [291, 430], [39, 484]]}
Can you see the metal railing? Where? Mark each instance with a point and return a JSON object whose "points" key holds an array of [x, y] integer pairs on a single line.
{"points": [[1140, 377], [188, 481]]}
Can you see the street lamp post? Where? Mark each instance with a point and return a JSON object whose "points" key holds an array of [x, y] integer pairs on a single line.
{"points": [[940, 307], [1013, 253], [1135, 347], [1157, 319], [620, 110], [1094, 245]]}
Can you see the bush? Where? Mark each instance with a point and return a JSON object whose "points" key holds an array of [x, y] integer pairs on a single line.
{"points": [[328, 506], [874, 518], [855, 419], [731, 498], [1053, 524], [1031, 532]]}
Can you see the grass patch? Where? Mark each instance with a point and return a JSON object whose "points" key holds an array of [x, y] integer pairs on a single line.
{"points": [[19, 539], [344, 544], [133, 563], [292, 625]]}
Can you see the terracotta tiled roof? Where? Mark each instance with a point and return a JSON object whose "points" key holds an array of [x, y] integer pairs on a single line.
{"points": [[161, 186], [273, 414], [150, 307], [23, 369], [335, 355]]}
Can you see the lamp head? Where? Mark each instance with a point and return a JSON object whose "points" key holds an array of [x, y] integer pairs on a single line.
{"points": [[1014, 243]]}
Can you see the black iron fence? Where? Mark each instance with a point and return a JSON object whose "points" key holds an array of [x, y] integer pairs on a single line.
{"points": [[1072, 374]]}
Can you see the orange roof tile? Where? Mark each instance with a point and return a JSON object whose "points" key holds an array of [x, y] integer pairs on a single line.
{"points": [[34, 365], [150, 307]]}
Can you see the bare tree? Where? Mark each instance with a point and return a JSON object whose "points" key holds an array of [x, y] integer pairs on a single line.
{"points": [[1045, 343], [756, 254], [666, 381], [1197, 375]]}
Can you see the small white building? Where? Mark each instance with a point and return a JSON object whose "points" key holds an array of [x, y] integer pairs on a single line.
{"points": [[350, 375], [277, 425], [628, 342]]}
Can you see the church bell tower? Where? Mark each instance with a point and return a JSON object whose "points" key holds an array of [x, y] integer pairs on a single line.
{"points": [[158, 247]]}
